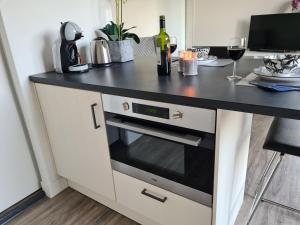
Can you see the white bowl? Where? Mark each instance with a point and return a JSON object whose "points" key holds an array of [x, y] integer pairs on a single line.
{"points": [[280, 64], [202, 52]]}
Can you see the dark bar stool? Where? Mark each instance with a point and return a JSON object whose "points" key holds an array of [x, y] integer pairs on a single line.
{"points": [[283, 138]]}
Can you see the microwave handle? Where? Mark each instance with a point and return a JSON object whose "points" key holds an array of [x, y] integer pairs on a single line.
{"points": [[142, 129]]}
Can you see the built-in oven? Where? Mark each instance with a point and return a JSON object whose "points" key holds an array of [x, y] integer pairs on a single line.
{"points": [[166, 145]]}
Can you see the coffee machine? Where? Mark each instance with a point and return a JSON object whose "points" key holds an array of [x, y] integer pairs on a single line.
{"points": [[65, 53]]}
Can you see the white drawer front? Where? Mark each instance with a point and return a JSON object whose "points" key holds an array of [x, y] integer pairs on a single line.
{"points": [[192, 117], [176, 210]]}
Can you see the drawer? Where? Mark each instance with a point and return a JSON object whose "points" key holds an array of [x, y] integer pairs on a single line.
{"points": [[191, 117], [159, 205]]}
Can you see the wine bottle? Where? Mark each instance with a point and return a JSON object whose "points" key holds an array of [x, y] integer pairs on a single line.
{"points": [[163, 50]]}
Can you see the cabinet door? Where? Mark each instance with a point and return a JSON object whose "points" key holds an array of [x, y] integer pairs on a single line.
{"points": [[76, 127]]}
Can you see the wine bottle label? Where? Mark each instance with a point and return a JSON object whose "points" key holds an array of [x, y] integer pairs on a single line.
{"points": [[158, 54]]}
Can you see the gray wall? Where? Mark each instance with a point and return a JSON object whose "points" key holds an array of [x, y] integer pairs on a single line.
{"points": [[215, 22], [18, 175], [29, 29]]}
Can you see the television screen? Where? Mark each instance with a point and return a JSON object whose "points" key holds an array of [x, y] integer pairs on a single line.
{"points": [[277, 32]]}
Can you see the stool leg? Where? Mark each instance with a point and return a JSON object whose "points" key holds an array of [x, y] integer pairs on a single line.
{"points": [[281, 205], [265, 182], [266, 171]]}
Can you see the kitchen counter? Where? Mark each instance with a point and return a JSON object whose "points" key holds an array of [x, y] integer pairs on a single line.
{"points": [[80, 145], [211, 89]]}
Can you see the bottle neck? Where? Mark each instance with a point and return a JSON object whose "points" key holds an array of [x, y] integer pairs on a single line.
{"points": [[162, 26], [162, 30]]}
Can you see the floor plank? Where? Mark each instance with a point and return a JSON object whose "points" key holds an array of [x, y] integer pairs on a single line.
{"points": [[73, 208]]}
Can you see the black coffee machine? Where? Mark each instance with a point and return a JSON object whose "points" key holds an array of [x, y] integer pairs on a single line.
{"points": [[66, 55]]}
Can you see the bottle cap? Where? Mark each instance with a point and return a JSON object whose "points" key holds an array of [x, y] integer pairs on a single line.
{"points": [[162, 17]]}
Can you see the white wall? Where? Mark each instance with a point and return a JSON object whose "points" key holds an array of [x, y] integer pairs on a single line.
{"points": [[28, 29], [145, 15], [215, 22], [17, 172]]}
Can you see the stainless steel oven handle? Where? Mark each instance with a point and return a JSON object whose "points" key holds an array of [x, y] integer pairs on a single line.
{"points": [[172, 136]]}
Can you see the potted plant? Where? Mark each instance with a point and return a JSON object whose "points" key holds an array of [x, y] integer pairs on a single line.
{"points": [[119, 38]]}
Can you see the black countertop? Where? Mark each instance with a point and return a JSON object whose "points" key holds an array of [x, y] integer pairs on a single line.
{"points": [[210, 89]]}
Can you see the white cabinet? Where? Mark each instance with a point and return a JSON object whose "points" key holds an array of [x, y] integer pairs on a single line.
{"points": [[76, 127], [159, 205]]}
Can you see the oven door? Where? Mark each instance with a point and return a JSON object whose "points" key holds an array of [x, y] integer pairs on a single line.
{"points": [[173, 158]]}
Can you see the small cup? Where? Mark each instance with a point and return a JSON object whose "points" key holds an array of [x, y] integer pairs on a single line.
{"points": [[190, 63], [180, 61]]}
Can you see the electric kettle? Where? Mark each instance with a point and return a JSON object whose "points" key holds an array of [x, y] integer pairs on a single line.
{"points": [[100, 52]]}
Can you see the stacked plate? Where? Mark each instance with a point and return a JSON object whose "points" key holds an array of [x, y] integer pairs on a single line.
{"points": [[280, 68], [207, 60], [265, 74]]}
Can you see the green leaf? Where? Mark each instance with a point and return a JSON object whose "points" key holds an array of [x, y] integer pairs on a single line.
{"points": [[117, 32], [107, 34], [126, 30], [133, 36], [114, 37], [112, 31]]}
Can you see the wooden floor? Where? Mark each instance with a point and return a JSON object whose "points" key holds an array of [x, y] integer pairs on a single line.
{"points": [[73, 208]]}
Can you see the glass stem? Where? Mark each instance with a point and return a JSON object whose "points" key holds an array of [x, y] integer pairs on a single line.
{"points": [[234, 69]]}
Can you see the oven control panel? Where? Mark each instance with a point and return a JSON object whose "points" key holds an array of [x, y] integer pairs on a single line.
{"points": [[172, 114], [151, 110]]}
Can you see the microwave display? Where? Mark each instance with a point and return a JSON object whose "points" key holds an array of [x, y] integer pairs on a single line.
{"points": [[148, 110]]}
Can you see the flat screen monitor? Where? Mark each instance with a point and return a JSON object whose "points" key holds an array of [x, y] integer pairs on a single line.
{"points": [[276, 32]]}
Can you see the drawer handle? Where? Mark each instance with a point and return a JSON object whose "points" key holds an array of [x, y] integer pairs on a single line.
{"points": [[96, 126], [145, 192]]}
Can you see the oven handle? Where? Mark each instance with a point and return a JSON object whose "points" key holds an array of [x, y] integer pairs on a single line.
{"points": [[172, 136]]}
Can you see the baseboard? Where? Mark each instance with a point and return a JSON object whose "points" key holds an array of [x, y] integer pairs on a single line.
{"points": [[16, 209], [55, 187]]}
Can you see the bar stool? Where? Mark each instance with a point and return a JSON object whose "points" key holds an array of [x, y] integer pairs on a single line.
{"points": [[283, 138]]}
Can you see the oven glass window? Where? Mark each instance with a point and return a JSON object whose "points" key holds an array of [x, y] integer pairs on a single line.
{"points": [[188, 165]]}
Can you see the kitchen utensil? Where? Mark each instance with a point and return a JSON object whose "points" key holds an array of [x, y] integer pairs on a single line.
{"points": [[280, 64], [236, 49], [100, 52], [79, 68], [65, 52], [188, 63], [209, 59], [173, 44], [180, 61], [265, 74], [202, 52]]}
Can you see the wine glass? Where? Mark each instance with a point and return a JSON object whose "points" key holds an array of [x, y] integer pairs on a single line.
{"points": [[236, 50], [173, 44]]}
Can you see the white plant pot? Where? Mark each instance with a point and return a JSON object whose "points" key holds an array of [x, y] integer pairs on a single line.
{"points": [[121, 51]]}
